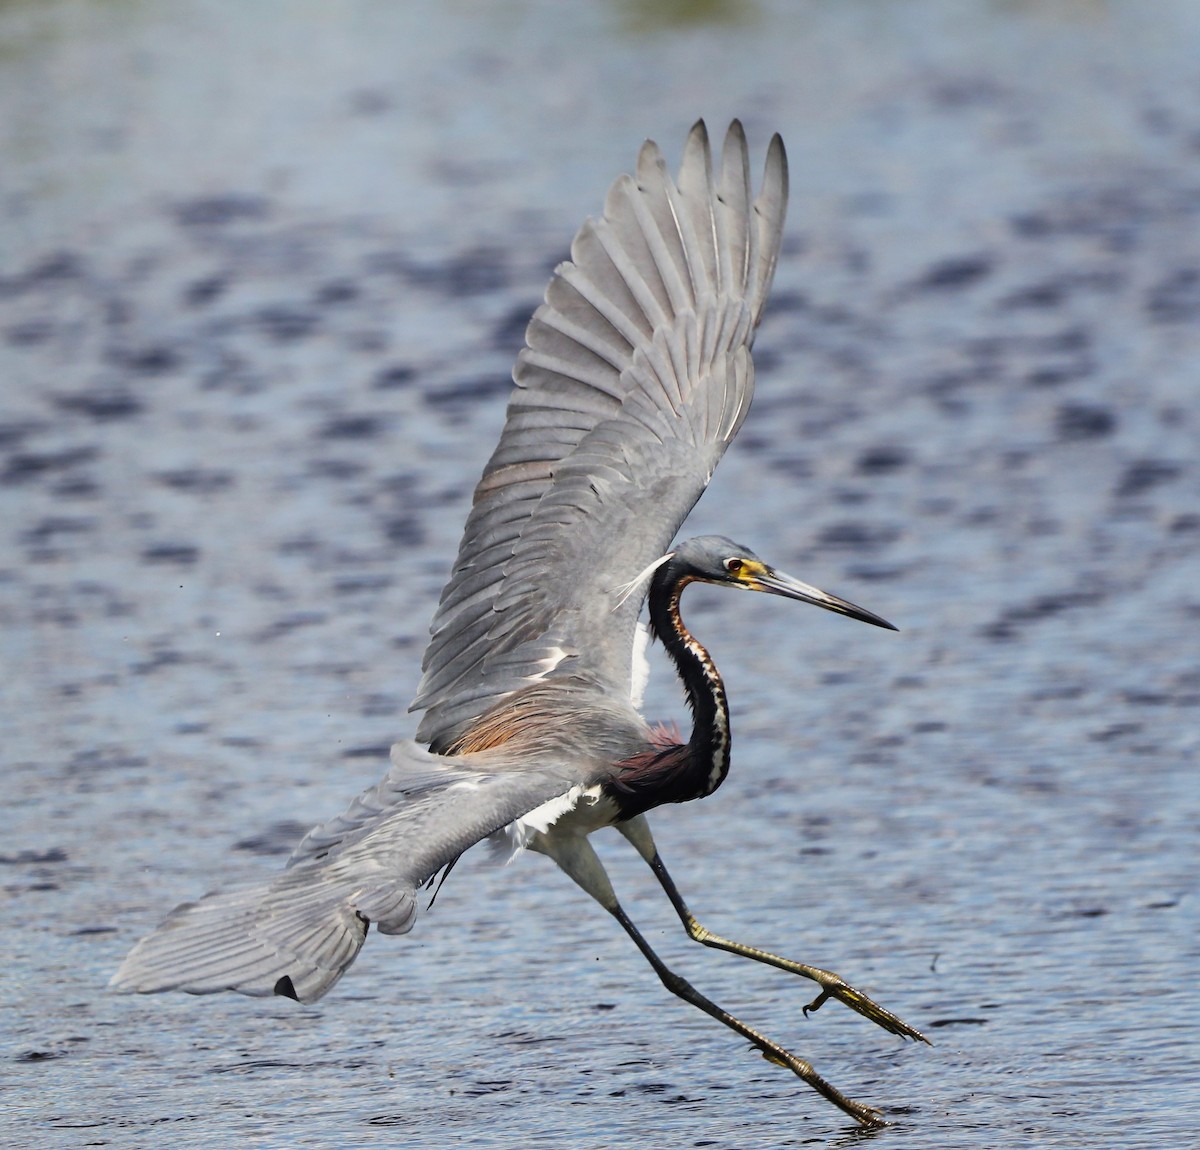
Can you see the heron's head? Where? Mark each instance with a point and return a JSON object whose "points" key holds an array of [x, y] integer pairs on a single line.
{"points": [[715, 559]]}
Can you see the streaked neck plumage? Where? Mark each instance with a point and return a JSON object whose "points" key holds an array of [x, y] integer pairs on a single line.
{"points": [[708, 748]]}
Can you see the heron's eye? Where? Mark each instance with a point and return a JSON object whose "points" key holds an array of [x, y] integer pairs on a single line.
{"points": [[733, 566]]}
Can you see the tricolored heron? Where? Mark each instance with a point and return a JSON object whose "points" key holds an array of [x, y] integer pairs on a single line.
{"points": [[635, 377]]}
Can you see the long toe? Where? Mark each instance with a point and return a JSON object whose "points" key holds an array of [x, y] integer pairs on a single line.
{"points": [[860, 1003]]}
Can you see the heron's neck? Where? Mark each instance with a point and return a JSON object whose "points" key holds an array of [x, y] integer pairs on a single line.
{"points": [[708, 747]]}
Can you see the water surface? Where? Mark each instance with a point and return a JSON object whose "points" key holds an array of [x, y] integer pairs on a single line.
{"points": [[264, 274]]}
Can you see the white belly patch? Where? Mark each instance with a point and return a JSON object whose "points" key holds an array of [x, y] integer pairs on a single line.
{"points": [[581, 810]]}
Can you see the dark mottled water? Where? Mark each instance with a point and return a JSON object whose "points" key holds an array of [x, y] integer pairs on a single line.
{"points": [[263, 275]]}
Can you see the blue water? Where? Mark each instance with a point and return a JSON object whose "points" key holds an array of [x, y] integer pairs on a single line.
{"points": [[263, 276]]}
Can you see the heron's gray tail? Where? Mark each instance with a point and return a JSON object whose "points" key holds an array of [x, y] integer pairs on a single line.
{"points": [[295, 936]]}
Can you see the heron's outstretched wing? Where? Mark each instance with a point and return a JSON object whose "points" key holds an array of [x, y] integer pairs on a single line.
{"points": [[635, 378], [295, 934]]}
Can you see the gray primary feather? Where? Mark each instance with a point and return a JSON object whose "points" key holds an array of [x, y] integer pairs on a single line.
{"points": [[635, 378]]}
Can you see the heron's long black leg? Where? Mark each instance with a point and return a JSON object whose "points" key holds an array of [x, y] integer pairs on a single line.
{"points": [[576, 856], [832, 985], [802, 1068]]}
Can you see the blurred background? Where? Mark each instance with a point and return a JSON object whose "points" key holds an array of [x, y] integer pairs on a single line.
{"points": [[263, 272]]}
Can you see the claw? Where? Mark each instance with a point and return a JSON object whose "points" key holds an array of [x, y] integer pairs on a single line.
{"points": [[816, 1003]]}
